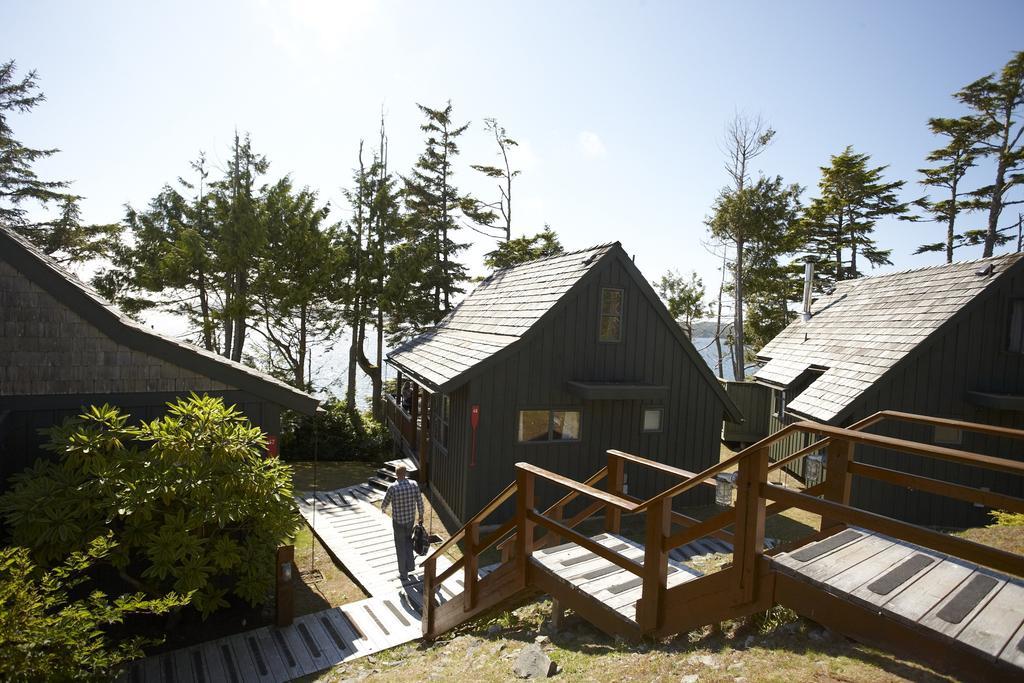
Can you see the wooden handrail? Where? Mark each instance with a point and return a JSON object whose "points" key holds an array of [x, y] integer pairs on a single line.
{"points": [[561, 503], [655, 465], [915, 448], [991, 430], [484, 513], [917, 482], [586, 542], [574, 485], [943, 543]]}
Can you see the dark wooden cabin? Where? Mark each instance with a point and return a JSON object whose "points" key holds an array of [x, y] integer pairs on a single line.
{"points": [[63, 347], [559, 360], [945, 341]]}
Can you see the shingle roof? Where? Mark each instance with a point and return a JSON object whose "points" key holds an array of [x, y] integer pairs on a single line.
{"points": [[494, 315], [111, 321], [866, 326]]}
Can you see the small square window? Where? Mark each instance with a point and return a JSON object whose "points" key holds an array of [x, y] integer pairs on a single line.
{"points": [[948, 435], [565, 425], [652, 419]]}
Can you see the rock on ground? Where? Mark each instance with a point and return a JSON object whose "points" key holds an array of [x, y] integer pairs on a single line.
{"points": [[533, 663]]}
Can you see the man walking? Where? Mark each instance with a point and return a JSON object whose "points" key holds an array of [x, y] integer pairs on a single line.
{"points": [[405, 500]]}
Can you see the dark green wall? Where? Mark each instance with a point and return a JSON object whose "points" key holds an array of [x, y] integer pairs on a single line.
{"points": [[22, 416], [565, 348], [968, 353]]}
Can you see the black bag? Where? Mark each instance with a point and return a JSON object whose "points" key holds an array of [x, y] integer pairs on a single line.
{"points": [[420, 540]]}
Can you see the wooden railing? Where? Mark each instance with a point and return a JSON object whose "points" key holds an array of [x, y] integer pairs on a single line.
{"points": [[734, 590], [401, 420]]}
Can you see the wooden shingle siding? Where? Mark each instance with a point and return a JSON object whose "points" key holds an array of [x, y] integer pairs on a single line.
{"points": [[46, 348]]}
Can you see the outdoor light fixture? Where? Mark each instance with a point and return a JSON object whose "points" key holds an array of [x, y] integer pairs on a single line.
{"points": [[286, 571], [814, 468], [725, 484]]}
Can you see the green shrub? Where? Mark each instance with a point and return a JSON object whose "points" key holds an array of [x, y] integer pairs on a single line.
{"points": [[1003, 518], [192, 500], [47, 635], [333, 434]]}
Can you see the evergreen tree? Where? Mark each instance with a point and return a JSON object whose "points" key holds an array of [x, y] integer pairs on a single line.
{"points": [[383, 282], [242, 238], [197, 255], [955, 158], [684, 298], [64, 237], [758, 221], [524, 249], [298, 283], [434, 205], [996, 103], [842, 220]]}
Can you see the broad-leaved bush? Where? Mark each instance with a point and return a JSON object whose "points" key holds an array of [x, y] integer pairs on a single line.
{"points": [[193, 501]]}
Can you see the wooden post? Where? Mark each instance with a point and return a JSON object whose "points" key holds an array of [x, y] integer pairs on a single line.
{"points": [[524, 526], [748, 546], [837, 478], [659, 525], [469, 569], [612, 514], [285, 593], [414, 412], [428, 597], [557, 615]]}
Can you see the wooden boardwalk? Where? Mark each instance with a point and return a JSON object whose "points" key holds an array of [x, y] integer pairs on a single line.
{"points": [[313, 643], [927, 591], [358, 534]]}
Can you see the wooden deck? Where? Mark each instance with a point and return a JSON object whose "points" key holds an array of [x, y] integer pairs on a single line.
{"points": [[922, 589]]}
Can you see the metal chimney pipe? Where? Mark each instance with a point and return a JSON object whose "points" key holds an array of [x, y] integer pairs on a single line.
{"points": [[808, 280]]}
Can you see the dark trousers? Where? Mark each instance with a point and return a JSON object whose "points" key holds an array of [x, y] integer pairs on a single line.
{"points": [[403, 547]]}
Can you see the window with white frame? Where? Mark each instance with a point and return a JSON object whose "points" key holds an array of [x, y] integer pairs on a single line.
{"points": [[611, 315], [652, 419]]}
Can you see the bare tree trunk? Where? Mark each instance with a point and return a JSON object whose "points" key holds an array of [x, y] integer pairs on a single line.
{"points": [[739, 346], [718, 318]]}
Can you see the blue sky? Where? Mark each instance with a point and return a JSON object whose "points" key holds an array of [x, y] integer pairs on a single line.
{"points": [[619, 107]]}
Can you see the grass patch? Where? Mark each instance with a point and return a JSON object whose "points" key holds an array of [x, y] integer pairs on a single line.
{"points": [[330, 475]]}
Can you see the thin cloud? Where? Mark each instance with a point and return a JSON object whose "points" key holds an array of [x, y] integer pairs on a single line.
{"points": [[591, 145]]}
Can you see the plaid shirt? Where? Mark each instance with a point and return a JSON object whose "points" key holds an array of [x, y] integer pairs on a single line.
{"points": [[405, 500]]}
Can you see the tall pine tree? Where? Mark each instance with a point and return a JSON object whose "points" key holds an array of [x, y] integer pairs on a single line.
{"points": [[840, 224], [953, 159], [62, 236], [434, 206], [997, 103]]}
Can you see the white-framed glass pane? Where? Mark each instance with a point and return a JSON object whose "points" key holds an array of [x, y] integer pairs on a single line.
{"points": [[652, 419], [565, 425], [533, 425]]}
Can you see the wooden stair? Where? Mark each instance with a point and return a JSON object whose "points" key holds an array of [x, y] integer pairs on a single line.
{"points": [[942, 599]]}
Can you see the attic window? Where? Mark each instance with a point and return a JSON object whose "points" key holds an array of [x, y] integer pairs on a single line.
{"points": [[611, 315], [1016, 335]]}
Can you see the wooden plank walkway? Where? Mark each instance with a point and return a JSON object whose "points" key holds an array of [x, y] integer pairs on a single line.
{"points": [[313, 643], [604, 581], [923, 589], [359, 536]]}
